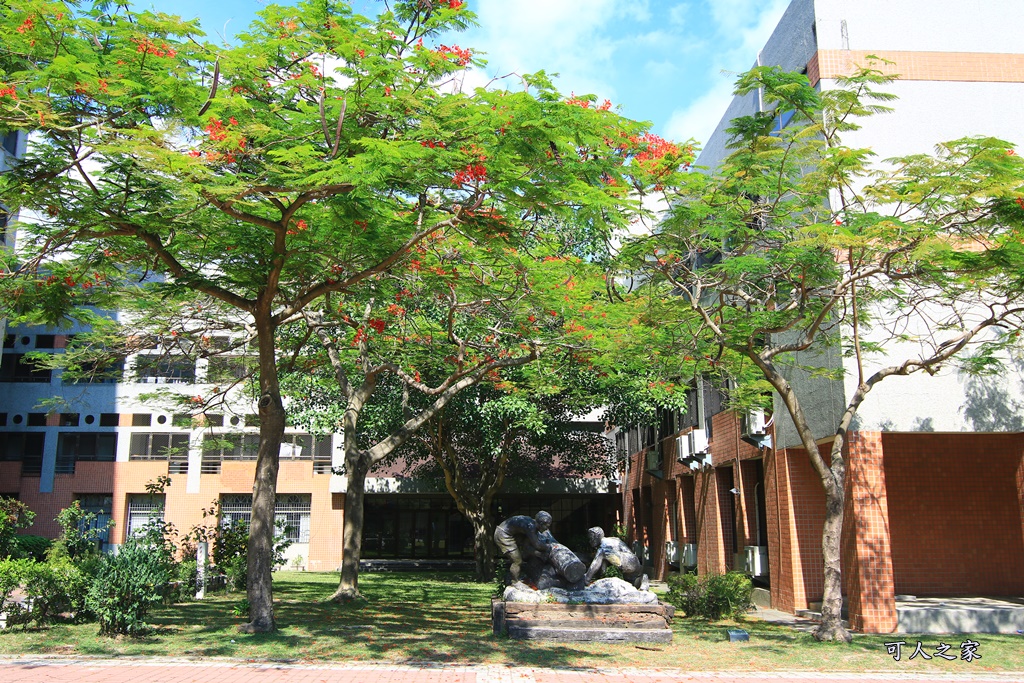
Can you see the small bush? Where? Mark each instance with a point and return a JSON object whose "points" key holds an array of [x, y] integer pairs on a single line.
{"points": [[241, 608], [711, 596], [51, 589], [80, 534], [32, 547], [14, 515], [128, 585]]}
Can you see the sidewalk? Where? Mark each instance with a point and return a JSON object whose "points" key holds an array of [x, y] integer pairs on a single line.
{"points": [[27, 669]]}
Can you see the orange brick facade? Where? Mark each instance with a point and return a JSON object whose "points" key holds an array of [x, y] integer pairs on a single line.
{"points": [[183, 509], [926, 514]]}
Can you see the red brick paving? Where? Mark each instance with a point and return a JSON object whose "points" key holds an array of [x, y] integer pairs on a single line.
{"points": [[67, 670]]}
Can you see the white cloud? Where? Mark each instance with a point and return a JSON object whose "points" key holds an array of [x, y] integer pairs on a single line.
{"points": [[749, 31], [567, 37], [699, 119]]}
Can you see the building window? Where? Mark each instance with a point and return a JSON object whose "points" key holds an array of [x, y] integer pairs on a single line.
{"points": [[109, 371], [323, 447], [152, 369], [144, 510], [161, 446], [26, 447], [10, 143], [226, 369], [100, 505], [12, 369], [291, 513], [235, 508], [75, 447], [220, 447]]}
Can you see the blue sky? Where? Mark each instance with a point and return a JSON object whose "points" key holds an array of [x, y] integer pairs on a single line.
{"points": [[671, 62]]}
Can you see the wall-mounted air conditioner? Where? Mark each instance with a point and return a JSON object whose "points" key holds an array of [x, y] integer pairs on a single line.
{"points": [[757, 560], [683, 448], [641, 551], [698, 441], [754, 429], [754, 423], [688, 556], [672, 553]]}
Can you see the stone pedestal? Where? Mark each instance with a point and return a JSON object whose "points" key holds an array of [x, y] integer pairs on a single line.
{"points": [[573, 623]]}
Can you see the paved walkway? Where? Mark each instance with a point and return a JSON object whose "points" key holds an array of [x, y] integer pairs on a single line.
{"points": [[27, 669]]}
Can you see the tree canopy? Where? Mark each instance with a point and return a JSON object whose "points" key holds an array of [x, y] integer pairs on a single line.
{"points": [[250, 182], [798, 244]]}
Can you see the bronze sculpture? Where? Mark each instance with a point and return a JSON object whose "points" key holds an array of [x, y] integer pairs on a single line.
{"points": [[613, 551]]}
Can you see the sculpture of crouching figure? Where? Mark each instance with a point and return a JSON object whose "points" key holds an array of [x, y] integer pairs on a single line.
{"points": [[614, 552], [521, 535]]}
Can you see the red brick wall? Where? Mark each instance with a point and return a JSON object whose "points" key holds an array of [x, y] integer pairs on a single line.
{"points": [[955, 513], [867, 563], [796, 513]]}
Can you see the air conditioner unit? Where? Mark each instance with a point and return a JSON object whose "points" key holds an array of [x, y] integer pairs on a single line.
{"points": [[689, 555], [683, 448], [672, 553], [754, 424], [641, 551], [755, 429], [757, 560], [698, 441]]}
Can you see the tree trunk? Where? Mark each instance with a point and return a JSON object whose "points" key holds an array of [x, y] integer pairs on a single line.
{"points": [[832, 480], [356, 469], [260, 549], [831, 627], [483, 546]]}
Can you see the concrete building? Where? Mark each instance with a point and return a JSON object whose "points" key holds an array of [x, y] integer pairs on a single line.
{"points": [[935, 483], [108, 440]]}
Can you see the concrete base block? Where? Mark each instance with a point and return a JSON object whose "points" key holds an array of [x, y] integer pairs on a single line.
{"points": [[576, 623], [959, 615], [591, 635]]}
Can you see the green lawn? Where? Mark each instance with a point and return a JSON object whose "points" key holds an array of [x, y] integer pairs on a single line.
{"points": [[410, 617]]}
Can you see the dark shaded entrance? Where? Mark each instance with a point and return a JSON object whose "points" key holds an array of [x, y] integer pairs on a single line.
{"points": [[404, 526]]}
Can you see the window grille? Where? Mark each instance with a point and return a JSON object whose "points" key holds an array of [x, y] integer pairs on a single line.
{"points": [[235, 508], [143, 510], [291, 512]]}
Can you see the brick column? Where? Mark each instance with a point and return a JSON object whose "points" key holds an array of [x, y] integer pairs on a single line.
{"points": [[868, 579]]}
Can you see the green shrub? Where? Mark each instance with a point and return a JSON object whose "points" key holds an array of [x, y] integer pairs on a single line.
{"points": [[231, 551], [79, 535], [710, 596], [32, 547], [50, 588], [14, 515], [127, 586], [12, 573], [187, 578]]}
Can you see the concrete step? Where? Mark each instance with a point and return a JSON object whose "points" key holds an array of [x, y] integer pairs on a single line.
{"points": [[960, 615], [816, 616]]}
